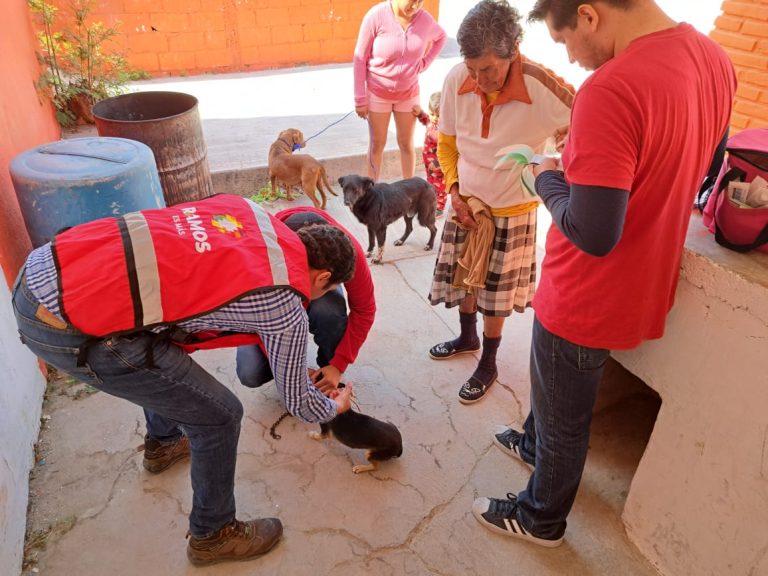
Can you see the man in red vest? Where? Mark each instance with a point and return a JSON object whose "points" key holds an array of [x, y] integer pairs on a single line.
{"points": [[338, 335], [119, 303]]}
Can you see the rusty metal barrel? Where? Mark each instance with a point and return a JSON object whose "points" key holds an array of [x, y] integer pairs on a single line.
{"points": [[169, 123]]}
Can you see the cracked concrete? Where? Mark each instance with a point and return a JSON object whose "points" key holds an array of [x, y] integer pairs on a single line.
{"points": [[411, 516]]}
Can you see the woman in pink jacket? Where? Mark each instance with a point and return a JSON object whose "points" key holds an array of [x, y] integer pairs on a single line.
{"points": [[398, 40]]}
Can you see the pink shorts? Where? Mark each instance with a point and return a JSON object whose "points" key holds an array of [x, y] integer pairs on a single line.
{"points": [[379, 104]]}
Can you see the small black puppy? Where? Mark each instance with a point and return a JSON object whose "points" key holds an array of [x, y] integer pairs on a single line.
{"points": [[379, 204], [381, 440]]}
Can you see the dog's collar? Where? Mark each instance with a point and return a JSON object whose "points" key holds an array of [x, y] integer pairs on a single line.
{"points": [[291, 147]]}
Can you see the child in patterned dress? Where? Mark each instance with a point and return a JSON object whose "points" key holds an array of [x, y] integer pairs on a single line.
{"points": [[429, 152]]}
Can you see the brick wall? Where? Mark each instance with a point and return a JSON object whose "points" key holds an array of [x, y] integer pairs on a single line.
{"points": [[742, 30], [180, 37], [26, 120]]}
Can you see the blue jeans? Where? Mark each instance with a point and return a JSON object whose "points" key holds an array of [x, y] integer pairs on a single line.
{"points": [[177, 389], [327, 324], [564, 382]]}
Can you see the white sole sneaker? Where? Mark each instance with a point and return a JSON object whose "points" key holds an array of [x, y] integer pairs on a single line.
{"points": [[508, 526], [514, 451]]}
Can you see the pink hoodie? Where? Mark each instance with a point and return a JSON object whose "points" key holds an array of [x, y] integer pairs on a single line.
{"points": [[389, 59]]}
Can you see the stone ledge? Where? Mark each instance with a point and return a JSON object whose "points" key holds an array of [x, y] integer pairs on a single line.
{"points": [[248, 181], [702, 484]]}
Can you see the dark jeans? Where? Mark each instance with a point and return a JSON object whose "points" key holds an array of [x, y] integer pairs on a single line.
{"points": [[177, 390], [327, 324], [564, 382]]}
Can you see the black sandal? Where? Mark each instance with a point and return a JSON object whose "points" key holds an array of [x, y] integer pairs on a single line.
{"points": [[446, 350], [474, 390]]}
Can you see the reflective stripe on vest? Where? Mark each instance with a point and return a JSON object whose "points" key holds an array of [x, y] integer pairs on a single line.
{"points": [[143, 276], [275, 254]]}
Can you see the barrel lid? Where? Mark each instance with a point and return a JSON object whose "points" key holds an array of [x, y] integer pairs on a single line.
{"points": [[84, 157]]}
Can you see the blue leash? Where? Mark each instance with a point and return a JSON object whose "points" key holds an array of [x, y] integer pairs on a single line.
{"points": [[370, 159], [324, 129]]}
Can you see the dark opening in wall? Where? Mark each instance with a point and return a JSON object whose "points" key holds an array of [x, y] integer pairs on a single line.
{"points": [[623, 419]]}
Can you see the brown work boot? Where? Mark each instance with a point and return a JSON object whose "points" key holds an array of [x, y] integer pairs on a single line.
{"points": [[159, 457], [236, 541]]}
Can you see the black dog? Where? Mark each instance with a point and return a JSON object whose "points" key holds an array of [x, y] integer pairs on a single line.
{"points": [[379, 204], [381, 440]]}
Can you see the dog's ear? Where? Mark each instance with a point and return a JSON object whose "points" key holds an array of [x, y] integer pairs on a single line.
{"points": [[367, 183], [298, 138], [341, 181]]}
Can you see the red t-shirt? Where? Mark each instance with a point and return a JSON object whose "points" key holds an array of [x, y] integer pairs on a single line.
{"points": [[360, 296], [647, 121]]}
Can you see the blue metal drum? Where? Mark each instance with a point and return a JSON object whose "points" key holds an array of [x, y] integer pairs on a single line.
{"points": [[69, 182]]}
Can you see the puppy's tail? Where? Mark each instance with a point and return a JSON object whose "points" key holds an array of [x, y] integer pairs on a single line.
{"points": [[324, 180]]}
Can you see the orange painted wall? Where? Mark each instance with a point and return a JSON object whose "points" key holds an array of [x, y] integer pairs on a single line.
{"points": [[25, 121], [187, 37], [742, 30]]}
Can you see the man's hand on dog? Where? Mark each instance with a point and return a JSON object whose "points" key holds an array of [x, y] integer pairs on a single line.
{"points": [[362, 111], [326, 379], [342, 397]]}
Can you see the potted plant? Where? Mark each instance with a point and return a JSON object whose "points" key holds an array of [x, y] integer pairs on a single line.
{"points": [[80, 69]]}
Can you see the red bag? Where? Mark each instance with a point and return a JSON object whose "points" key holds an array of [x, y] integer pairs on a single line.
{"points": [[734, 227]]}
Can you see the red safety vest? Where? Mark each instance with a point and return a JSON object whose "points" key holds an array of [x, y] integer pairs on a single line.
{"points": [[164, 266]]}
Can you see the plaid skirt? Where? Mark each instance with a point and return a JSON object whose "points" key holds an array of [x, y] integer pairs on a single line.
{"points": [[511, 279]]}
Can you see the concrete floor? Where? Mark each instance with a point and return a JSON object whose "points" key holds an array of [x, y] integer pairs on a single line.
{"points": [[103, 513], [412, 516]]}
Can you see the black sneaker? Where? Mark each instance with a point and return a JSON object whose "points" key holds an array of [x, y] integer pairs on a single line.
{"points": [[500, 516], [508, 440], [446, 350], [473, 390]]}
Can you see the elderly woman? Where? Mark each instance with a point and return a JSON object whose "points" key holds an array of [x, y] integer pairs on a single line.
{"points": [[487, 257], [398, 40]]}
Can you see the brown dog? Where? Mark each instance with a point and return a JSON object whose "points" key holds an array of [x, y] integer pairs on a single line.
{"points": [[296, 169]]}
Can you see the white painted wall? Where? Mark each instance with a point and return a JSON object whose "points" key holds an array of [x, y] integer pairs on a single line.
{"points": [[21, 393], [698, 503]]}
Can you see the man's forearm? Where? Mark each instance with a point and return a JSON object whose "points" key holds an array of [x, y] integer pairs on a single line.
{"points": [[592, 217]]}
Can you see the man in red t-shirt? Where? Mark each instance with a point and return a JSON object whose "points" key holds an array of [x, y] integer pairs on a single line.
{"points": [[338, 335], [644, 129]]}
